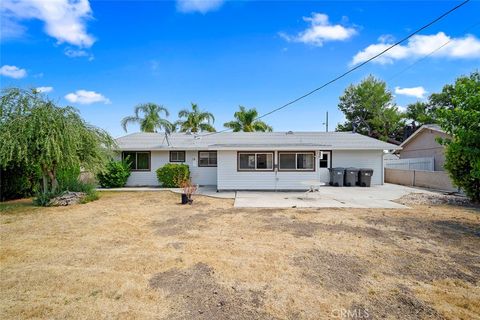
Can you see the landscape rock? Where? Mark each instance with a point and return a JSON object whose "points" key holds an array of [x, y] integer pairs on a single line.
{"points": [[67, 198]]}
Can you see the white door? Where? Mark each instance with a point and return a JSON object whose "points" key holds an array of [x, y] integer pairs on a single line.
{"points": [[324, 162]]}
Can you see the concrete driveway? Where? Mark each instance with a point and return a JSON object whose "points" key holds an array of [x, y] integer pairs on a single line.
{"points": [[327, 197]]}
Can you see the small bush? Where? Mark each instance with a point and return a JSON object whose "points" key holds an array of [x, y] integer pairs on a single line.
{"points": [[171, 174], [43, 199], [115, 175], [17, 181]]}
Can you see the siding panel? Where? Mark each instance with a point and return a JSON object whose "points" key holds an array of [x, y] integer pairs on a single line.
{"points": [[361, 159]]}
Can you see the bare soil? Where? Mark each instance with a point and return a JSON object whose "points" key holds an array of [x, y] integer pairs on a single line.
{"points": [[144, 256]]}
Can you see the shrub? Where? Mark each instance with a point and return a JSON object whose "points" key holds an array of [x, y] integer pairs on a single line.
{"points": [[171, 174], [115, 175], [459, 115], [17, 182]]}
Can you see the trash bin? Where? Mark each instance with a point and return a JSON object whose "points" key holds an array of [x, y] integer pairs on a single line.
{"points": [[365, 177], [351, 177], [336, 176]]}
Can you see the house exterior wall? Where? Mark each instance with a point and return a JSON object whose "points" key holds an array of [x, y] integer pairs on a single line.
{"points": [[199, 175], [361, 159], [229, 178], [424, 145]]}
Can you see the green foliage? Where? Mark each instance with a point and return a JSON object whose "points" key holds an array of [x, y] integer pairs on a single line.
{"points": [[151, 120], [421, 113], [458, 113], [195, 120], [38, 135], [115, 174], [17, 182], [43, 199], [370, 110], [245, 121], [172, 174]]}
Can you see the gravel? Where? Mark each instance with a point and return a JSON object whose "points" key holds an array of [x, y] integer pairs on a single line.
{"points": [[434, 199]]}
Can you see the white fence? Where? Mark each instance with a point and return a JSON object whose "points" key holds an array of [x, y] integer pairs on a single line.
{"points": [[424, 164]]}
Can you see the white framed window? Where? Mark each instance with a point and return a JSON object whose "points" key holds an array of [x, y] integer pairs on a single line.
{"points": [[177, 156], [207, 158], [255, 161], [296, 161]]}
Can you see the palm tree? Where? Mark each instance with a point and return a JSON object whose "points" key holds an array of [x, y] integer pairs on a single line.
{"points": [[245, 121], [151, 120], [195, 120]]}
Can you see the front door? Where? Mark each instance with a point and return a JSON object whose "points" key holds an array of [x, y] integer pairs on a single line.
{"points": [[324, 162]]}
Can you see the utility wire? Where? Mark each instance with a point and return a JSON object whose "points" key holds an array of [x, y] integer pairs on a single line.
{"points": [[430, 53], [354, 68]]}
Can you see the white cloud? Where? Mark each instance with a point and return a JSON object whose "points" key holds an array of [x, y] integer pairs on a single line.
{"points": [[13, 72], [417, 92], [78, 53], [44, 89], [202, 6], [65, 20], [420, 45], [320, 31], [86, 97]]}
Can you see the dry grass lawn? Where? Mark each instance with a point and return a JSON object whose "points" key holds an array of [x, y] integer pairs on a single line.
{"points": [[143, 255]]}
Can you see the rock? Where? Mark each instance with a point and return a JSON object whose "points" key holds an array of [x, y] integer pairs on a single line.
{"points": [[67, 198]]}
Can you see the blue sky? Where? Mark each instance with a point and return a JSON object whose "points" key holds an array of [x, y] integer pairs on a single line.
{"points": [[104, 57]]}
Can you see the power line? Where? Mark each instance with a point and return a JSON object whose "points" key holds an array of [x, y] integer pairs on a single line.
{"points": [[356, 67], [430, 53]]}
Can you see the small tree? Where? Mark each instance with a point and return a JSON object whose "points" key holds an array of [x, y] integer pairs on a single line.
{"points": [[458, 113], [50, 138]]}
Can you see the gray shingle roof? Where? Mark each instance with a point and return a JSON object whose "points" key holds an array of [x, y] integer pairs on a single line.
{"points": [[252, 141]]}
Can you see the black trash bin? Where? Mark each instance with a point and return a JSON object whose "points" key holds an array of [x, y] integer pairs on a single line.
{"points": [[365, 177], [351, 177], [336, 176]]}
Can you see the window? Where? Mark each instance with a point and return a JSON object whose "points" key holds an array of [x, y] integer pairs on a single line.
{"points": [[252, 161], [139, 161], [297, 161], [207, 158], [324, 159], [177, 156]]}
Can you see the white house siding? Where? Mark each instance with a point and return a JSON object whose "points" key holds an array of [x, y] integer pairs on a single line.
{"points": [[149, 178], [199, 175], [361, 159], [231, 179]]}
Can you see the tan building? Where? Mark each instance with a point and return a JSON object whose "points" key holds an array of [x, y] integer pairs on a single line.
{"points": [[422, 144]]}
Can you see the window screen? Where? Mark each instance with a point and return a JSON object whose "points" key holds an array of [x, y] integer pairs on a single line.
{"points": [[177, 156], [207, 159], [255, 161], [139, 161]]}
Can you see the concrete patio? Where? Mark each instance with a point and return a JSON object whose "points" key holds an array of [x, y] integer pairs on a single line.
{"points": [[328, 197]]}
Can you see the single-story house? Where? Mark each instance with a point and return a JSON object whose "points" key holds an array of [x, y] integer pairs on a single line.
{"points": [[423, 144], [252, 160]]}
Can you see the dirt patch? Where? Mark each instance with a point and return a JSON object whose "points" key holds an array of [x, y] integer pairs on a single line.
{"points": [[199, 295], [435, 199], [300, 228], [399, 303], [336, 272], [181, 225]]}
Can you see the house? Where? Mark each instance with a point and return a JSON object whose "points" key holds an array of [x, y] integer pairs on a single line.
{"points": [[423, 144], [252, 160]]}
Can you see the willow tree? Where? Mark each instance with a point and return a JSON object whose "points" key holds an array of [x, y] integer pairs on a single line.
{"points": [[38, 134]]}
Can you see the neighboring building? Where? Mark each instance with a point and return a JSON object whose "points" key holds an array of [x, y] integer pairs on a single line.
{"points": [[422, 144], [253, 160]]}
